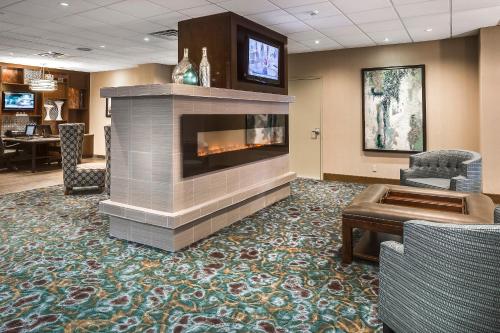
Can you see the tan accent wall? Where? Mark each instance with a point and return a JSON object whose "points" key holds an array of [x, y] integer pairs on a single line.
{"points": [[489, 82], [142, 74], [451, 90]]}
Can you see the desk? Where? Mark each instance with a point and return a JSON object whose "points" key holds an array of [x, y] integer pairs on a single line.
{"points": [[34, 142]]}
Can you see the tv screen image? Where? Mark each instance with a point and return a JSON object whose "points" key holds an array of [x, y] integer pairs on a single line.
{"points": [[263, 60], [18, 101]]}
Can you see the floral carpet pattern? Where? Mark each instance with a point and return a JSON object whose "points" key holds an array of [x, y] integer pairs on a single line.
{"points": [[278, 270]]}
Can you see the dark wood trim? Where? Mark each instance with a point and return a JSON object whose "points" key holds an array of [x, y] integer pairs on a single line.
{"points": [[359, 179], [424, 104], [494, 197], [375, 180]]}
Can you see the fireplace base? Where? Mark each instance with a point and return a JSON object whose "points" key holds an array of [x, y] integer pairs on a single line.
{"points": [[174, 239]]}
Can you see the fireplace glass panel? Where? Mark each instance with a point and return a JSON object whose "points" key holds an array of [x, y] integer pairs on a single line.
{"points": [[263, 131], [213, 142]]}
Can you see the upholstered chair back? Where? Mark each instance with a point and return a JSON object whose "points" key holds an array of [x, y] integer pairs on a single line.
{"points": [[71, 149], [107, 139], [446, 163]]}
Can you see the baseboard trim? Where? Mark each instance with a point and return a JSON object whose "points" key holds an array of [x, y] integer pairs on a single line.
{"points": [[359, 179], [374, 180], [99, 156]]}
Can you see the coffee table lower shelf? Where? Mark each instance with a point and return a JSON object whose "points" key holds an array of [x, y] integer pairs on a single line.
{"points": [[374, 233], [368, 246]]}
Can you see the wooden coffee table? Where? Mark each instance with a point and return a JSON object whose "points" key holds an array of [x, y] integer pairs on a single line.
{"points": [[381, 210]]}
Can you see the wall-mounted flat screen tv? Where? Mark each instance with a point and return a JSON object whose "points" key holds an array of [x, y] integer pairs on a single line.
{"points": [[260, 59], [18, 101], [263, 60]]}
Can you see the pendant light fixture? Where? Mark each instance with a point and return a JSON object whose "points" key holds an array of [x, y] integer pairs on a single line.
{"points": [[43, 82]]}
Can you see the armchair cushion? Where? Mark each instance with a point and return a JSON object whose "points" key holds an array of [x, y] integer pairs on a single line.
{"points": [[437, 183]]}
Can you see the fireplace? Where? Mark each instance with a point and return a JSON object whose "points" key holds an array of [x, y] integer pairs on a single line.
{"points": [[212, 142]]}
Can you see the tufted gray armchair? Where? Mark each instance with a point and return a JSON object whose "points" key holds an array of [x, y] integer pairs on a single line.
{"points": [[445, 278], [74, 173], [456, 170]]}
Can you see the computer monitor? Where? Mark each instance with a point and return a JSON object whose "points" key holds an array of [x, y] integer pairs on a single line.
{"points": [[44, 130], [30, 130]]}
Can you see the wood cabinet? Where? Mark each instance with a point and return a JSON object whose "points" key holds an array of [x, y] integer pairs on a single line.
{"points": [[220, 33], [72, 88]]}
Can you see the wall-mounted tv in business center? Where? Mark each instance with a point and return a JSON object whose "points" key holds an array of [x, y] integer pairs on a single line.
{"points": [[18, 101]]}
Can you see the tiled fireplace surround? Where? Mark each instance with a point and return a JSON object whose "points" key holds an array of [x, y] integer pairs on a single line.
{"points": [[151, 203]]}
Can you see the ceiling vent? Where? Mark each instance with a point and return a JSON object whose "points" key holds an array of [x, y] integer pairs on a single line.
{"points": [[84, 49], [170, 34], [51, 54]]}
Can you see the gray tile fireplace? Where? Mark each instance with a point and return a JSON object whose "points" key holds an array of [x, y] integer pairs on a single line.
{"points": [[188, 161]]}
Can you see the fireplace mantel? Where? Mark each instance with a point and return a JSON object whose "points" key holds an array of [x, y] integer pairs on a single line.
{"points": [[172, 89], [151, 201]]}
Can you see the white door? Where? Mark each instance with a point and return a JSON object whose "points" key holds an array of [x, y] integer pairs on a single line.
{"points": [[305, 127]]}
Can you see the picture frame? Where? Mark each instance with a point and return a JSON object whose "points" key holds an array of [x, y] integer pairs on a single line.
{"points": [[108, 107], [394, 109]]}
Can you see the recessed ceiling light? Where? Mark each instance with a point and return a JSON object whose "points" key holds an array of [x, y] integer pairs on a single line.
{"points": [[314, 12], [428, 29], [386, 39], [316, 42], [102, 46], [146, 39], [64, 4], [11, 53]]}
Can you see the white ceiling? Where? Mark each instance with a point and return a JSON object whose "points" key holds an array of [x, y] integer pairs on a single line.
{"points": [[115, 29]]}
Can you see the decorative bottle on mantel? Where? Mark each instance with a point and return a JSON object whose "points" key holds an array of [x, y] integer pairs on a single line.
{"points": [[184, 72], [204, 69]]}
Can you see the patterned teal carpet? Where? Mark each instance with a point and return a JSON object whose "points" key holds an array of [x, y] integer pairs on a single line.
{"points": [[276, 271]]}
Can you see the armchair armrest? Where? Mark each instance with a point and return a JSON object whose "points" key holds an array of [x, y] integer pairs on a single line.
{"points": [[464, 184], [453, 269], [405, 174]]}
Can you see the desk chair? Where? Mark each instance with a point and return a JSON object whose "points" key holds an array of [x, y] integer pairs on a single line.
{"points": [[7, 153], [74, 173]]}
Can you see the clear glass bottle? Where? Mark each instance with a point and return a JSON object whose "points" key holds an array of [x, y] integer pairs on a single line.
{"points": [[184, 72], [204, 69]]}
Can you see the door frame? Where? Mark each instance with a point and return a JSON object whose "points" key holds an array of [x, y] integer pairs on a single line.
{"points": [[320, 78]]}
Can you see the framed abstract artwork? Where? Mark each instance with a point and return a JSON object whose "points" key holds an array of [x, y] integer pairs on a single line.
{"points": [[394, 109]]}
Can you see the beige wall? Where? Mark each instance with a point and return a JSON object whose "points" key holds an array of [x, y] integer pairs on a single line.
{"points": [[489, 80], [142, 74], [451, 92]]}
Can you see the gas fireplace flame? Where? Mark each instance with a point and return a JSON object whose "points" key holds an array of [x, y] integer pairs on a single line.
{"points": [[216, 149]]}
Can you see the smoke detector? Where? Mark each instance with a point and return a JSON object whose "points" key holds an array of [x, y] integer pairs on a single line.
{"points": [[84, 49], [51, 54], [170, 34]]}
